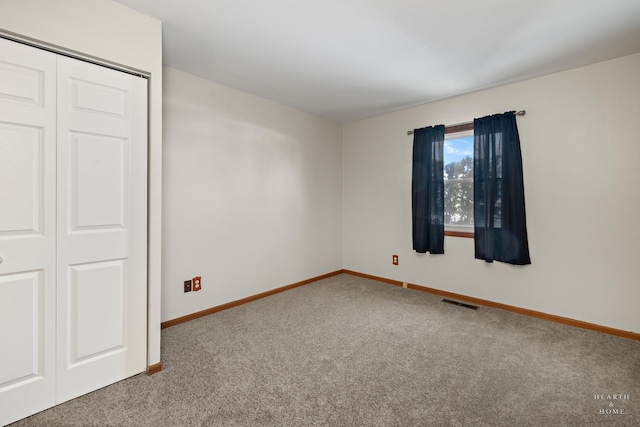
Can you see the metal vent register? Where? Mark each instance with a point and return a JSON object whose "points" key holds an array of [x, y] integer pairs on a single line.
{"points": [[461, 304]]}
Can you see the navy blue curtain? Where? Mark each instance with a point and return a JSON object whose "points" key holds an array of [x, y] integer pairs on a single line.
{"points": [[427, 187], [500, 224]]}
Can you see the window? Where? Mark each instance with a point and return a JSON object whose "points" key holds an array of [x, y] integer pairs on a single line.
{"points": [[458, 182]]}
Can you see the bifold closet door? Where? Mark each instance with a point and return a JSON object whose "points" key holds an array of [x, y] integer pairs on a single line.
{"points": [[102, 227], [27, 230], [73, 229]]}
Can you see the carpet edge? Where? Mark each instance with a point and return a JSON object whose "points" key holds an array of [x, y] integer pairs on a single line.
{"points": [[524, 311], [208, 311]]}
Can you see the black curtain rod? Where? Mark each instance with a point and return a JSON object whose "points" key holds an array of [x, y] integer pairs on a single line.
{"points": [[518, 113]]}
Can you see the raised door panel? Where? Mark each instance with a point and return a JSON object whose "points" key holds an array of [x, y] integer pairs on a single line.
{"points": [[27, 230], [97, 291], [22, 329], [102, 214], [21, 172], [20, 81], [99, 172]]}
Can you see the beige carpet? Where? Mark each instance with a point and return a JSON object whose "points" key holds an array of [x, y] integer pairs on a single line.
{"points": [[347, 351]]}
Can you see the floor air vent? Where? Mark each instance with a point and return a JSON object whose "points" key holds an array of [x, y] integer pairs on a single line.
{"points": [[461, 304]]}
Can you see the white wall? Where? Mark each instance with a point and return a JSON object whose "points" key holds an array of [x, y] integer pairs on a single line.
{"points": [[580, 152], [113, 33], [251, 197]]}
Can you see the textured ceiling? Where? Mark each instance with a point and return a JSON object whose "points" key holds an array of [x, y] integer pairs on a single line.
{"points": [[350, 59]]}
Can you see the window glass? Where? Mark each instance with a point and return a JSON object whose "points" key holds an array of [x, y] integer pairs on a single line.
{"points": [[458, 181]]}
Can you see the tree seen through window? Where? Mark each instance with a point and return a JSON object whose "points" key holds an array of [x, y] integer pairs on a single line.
{"points": [[458, 179]]}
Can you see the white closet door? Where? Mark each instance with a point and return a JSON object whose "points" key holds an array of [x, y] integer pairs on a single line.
{"points": [[102, 229], [27, 230]]}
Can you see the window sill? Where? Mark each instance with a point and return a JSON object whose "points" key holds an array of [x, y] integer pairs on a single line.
{"points": [[467, 234]]}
